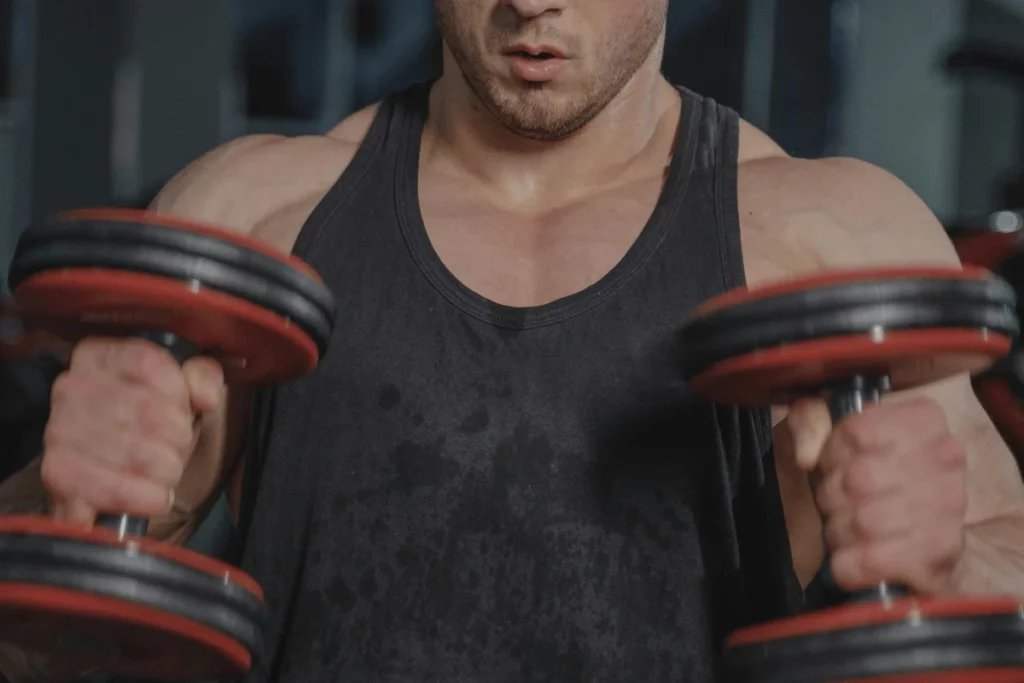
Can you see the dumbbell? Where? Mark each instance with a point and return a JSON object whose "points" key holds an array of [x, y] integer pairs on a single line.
{"points": [[108, 597], [850, 337]]}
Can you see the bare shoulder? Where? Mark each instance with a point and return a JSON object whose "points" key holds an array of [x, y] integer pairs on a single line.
{"points": [[756, 144], [799, 216], [264, 185]]}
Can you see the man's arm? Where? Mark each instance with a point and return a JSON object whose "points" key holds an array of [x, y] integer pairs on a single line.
{"points": [[847, 214]]}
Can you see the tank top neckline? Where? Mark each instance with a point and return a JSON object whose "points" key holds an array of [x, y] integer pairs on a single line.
{"points": [[411, 121]]}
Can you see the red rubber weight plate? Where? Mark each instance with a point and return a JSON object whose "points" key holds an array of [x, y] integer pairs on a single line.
{"points": [[987, 249], [253, 344], [909, 357], [874, 614], [118, 636], [17, 343], [771, 370], [848, 637]]}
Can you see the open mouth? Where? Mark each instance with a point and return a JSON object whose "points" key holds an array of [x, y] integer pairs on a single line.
{"points": [[539, 57]]}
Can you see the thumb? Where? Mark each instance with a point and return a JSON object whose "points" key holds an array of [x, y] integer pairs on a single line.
{"points": [[809, 424], [205, 379]]}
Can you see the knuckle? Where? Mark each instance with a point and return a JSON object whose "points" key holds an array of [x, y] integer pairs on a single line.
{"points": [[67, 387], [863, 523], [142, 358], [858, 433], [861, 479], [151, 364]]}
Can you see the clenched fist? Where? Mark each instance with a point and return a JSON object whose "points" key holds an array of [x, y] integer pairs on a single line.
{"points": [[890, 485], [122, 428]]}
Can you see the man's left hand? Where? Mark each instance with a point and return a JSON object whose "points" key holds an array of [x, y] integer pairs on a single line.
{"points": [[890, 484]]}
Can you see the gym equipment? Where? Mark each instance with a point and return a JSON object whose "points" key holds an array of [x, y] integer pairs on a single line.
{"points": [[849, 337], [109, 597]]}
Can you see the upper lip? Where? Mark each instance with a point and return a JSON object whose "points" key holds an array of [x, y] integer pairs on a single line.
{"points": [[536, 50]]}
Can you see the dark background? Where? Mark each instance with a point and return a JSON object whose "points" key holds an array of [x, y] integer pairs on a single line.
{"points": [[102, 101]]}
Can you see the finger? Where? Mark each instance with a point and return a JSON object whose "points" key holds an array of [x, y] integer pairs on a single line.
{"points": [[878, 520], [868, 475], [130, 453], [830, 493], [205, 380], [103, 489], [923, 561], [121, 411], [810, 425], [141, 362], [872, 475], [934, 500]]}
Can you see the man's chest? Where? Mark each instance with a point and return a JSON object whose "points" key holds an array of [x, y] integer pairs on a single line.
{"points": [[521, 257]]}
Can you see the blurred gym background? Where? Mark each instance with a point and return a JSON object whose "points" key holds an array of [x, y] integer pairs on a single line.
{"points": [[102, 101]]}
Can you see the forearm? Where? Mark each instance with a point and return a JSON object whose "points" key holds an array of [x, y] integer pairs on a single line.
{"points": [[993, 561]]}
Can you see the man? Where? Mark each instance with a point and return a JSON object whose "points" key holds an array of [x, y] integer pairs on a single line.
{"points": [[496, 473]]}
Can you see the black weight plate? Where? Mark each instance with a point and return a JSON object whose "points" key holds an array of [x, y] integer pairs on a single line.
{"points": [[855, 308], [137, 578], [189, 243], [902, 648], [168, 263]]}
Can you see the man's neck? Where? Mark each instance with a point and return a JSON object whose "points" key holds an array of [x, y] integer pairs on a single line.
{"points": [[634, 131]]}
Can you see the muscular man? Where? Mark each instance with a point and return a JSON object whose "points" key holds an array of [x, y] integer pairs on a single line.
{"points": [[496, 473]]}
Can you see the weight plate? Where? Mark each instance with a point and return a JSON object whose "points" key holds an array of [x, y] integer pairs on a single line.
{"points": [[193, 269], [115, 637], [908, 640], [132, 605], [253, 344], [142, 228], [773, 344], [18, 343], [911, 358], [987, 249]]}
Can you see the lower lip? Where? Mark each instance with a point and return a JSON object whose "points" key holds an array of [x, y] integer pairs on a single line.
{"points": [[537, 70]]}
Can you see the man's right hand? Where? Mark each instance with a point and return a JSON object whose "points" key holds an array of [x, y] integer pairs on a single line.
{"points": [[123, 425]]}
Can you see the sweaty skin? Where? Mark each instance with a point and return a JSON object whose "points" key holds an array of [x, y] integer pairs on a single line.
{"points": [[533, 191]]}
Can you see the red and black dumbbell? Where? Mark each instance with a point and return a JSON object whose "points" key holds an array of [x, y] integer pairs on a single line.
{"points": [[108, 596], [850, 337]]}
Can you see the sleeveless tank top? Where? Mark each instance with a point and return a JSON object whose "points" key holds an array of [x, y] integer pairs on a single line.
{"points": [[464, 491]]}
